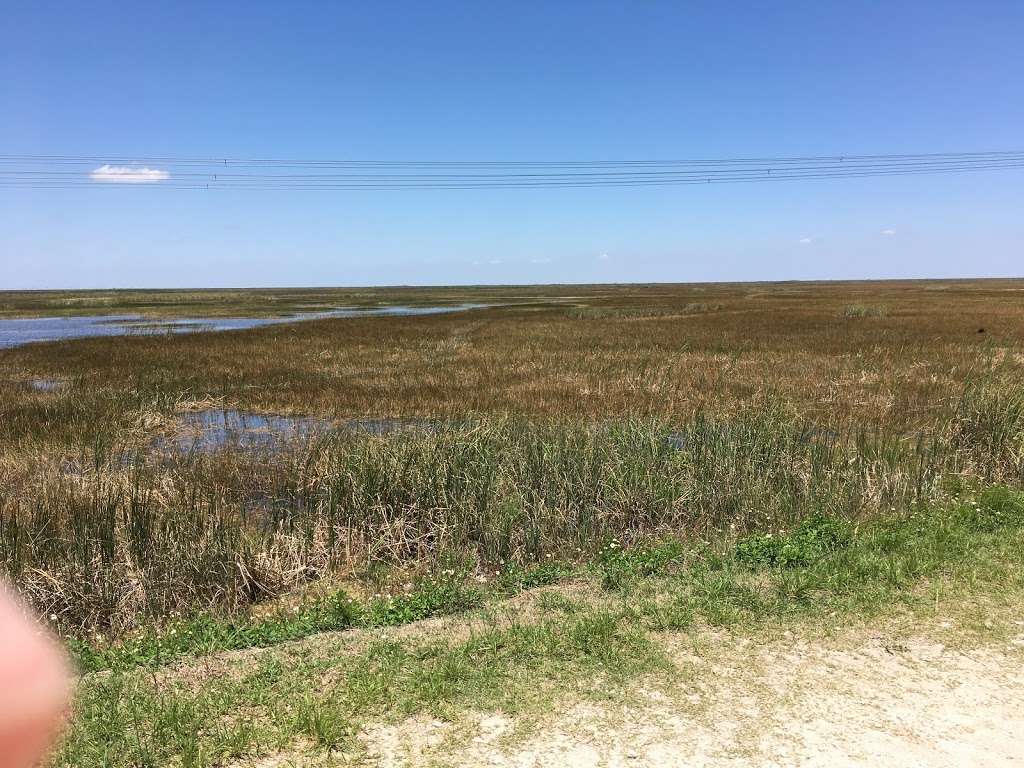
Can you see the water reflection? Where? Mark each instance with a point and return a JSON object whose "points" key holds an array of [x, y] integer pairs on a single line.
{"points": [[212, 429], [15, 332]]}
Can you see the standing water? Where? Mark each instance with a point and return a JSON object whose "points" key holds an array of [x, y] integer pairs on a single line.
{"points": [[18, 331]]}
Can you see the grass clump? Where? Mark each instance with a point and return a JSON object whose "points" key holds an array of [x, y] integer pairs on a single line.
{"points": [[619, 566], [812, 539], [518, 578], [987, 428], [995, 508], [430, 598], [863, 310]]}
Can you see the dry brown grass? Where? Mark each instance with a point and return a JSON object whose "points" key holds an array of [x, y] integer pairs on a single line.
{"points": [[641, 350]]}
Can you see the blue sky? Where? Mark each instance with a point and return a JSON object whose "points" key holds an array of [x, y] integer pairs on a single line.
{"points": [[512, 81]]}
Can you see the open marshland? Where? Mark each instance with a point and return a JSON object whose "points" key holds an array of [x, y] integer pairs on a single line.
{"points": [[713, 455], [857, 354]]}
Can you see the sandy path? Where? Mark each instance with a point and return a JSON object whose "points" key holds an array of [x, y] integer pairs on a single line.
{"points": [[864, 700]]}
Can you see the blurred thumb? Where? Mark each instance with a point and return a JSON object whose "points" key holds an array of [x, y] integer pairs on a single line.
{"points": [[34, 686]]}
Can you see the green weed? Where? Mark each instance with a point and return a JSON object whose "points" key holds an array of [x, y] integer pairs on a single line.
{"points": [[815, 537], [619, 565]]}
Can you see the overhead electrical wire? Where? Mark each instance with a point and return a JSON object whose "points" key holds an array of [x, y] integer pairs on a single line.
{"points": [[160, 172], [124, 158]]}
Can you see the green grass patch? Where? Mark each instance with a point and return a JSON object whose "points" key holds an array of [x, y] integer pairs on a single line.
{"points": [[516, 578], [824, 567], [206, 634], [430, 598], [129, 719], [618, 565], [812, 539]]}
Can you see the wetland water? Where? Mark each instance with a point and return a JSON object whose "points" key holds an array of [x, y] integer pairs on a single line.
{"points": [[212, 429], [14, 332]]}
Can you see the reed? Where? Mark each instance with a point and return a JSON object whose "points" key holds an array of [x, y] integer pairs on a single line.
{"points": [[137, 536]]}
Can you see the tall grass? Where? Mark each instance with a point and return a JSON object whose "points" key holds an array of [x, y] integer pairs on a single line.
{"points": [[131, 536], [987, 430]]}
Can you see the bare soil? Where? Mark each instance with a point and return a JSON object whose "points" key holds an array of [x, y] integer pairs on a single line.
{"points": [[858, 699]]}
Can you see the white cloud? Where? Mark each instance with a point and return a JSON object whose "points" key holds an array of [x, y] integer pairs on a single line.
{"points": [[540, 260], [494, 261], [888, 232], [124, 174], [603, 257], [806, 240]]}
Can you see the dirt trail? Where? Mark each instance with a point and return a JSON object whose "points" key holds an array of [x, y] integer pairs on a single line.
{"points": [[859, 700]]}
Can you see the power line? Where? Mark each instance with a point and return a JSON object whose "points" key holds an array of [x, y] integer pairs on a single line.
{"points": [[77, 172], [236, 162], [603, 174], [481, 185]]}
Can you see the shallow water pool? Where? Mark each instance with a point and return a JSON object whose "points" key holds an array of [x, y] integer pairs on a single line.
{"points": [[213, 429], [14, 332]]}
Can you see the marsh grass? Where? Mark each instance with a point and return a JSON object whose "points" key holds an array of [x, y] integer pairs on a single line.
{"points": [[132, 537], [561, 433], [138, 538], [627, 313], [987, 427], [530, 358], [214, 302]]}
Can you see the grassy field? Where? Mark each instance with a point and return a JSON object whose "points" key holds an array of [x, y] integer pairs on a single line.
{"points": [[724, 455]]}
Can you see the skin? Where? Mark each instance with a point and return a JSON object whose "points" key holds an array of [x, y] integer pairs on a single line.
{"points": [[34, 687]]}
